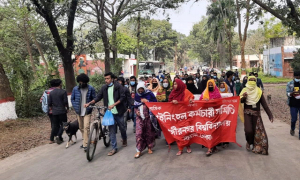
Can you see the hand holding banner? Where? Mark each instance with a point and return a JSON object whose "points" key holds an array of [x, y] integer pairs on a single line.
{"points": [[203, 122]]}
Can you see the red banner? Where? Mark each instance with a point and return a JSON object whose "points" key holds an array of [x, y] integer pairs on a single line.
{"points": [[205, 122]]}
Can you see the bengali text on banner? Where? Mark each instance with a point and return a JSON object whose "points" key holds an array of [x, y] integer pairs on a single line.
{"points": [[204, 122]]}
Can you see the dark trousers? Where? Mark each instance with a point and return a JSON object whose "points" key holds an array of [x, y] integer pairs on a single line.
{"points": [[133, 116], [51, 121], [250, 126], [294, 113], [57, 128]]}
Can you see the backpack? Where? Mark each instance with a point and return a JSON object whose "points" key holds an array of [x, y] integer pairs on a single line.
{"points": [[45, 107]]}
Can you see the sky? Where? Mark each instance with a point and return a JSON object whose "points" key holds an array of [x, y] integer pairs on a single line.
{"points": [[189, 14]]}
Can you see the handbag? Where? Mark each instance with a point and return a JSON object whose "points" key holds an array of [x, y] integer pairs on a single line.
{"points": [[108, 119]]}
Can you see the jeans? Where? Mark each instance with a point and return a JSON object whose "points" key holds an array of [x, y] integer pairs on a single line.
{"points": [[57, 128], [119, 121], [294, 113], [133, 116]]}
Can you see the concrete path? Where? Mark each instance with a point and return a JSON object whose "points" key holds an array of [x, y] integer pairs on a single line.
{"points": [[56, 162]]}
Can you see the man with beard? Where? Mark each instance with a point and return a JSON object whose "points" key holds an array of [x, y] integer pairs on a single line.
{"points": [[82, 94]]}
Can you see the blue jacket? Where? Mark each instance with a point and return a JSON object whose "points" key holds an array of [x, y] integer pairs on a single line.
{"points": [[76, 99]]}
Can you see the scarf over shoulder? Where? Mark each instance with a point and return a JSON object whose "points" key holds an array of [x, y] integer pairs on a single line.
{"points": [[254, 92], [146, 95], [215, 94]]}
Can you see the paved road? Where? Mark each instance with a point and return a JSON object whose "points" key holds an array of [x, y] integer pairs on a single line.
{"points": [[56, 162]]}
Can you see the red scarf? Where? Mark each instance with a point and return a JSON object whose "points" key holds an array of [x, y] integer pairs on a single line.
{"points": [[178, 93]]}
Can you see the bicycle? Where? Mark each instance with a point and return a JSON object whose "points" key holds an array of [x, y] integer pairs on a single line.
{"points": [[97, 132]]}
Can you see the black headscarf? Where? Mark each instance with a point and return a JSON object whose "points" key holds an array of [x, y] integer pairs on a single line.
{"points": [[202, 85], [191, 87]]}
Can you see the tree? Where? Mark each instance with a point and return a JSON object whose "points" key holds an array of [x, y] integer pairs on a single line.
{"points": [[51, 11], [221, 21], [287, 11], [201, 46], [274, 29], [108, 14]]}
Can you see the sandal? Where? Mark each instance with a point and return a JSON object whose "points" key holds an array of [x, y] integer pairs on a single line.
{"points": [[248, 147], [209, 153], [150, 151], [188, 149], [112, 152], [179, 153], [215, 150], [225, 145], [137, 155]]}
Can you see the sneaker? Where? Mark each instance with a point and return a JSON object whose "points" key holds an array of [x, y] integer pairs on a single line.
{"points": [[58, 141], [81, 147], [133, 129], [85, 149], [292, 132]]}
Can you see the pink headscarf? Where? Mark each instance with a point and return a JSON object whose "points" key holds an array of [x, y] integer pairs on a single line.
{"points": [[212, 95]]}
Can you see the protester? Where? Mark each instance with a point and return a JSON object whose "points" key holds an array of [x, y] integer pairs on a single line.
{"points": [[114, 98], [180, 94], [58, 105], [145, 132], [82, 94], [191, 85], [170, 80], [128, 100], [132, 90], [230, 82], [245, 79], [164, 91], [198, 77], [293, 93], [236, 73], [224, 88], [259, 82], [45, 106], [255, 133], [202, 85], [211, 92], [238, 86], [154, 86]]}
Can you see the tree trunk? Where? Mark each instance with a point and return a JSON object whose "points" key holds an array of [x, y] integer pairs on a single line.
{"points": [[6, 92], [176, 57], [138, 44], [69, 71], [243, 57]]}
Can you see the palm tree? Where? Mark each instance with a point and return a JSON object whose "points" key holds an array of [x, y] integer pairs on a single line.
{"points": [[221, 22]]}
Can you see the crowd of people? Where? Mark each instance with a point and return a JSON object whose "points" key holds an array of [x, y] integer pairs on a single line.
{"points": [[126, 99]]}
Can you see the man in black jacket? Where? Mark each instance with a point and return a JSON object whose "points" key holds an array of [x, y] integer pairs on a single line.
{"points": [[259, 82], [58, 105], [114, 98], [128, 98]]}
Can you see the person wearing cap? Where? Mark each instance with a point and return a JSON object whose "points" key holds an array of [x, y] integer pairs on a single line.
{"points": [[293, 94]]}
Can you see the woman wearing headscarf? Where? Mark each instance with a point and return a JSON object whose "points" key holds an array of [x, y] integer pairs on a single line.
{"points": [[170, 80], [180, 94], [211, 92], [145, 132], [255, 132], [202, 84], [245, 79], [191, 85], [224, 88], [198, 77], [164, 91], [154, 85]]}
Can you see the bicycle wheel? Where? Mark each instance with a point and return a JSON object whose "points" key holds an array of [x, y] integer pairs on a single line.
{"points": [[92, 142], [105, 135]]}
